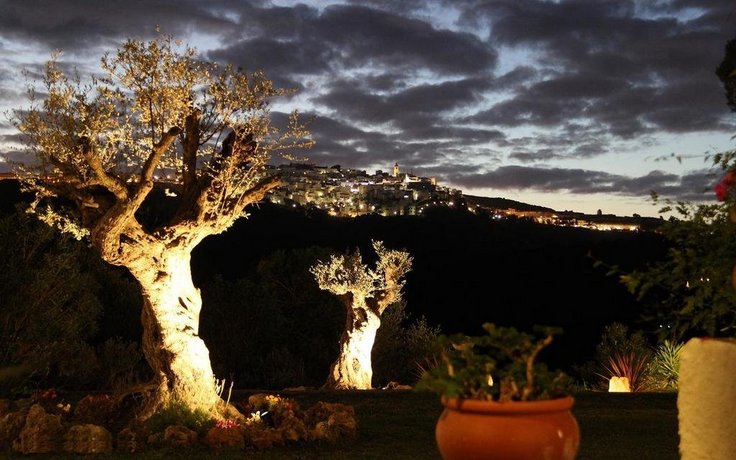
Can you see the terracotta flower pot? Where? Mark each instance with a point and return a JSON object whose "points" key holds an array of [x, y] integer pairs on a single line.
{"points": [[472, 429]]}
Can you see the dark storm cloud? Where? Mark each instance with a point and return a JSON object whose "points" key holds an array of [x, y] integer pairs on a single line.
{"points": [[342, 37], [580, 181], [366, 35], [629, 73], [440, 97], [14, 138], [514, 78], [527, 110], [402, 7], [591, 149], [399, 81], [9, 157], [456, 135], [341, 143], [276, 57], [536, 156], [426, 102], [76, 25], [544, 179], [357, 105]]}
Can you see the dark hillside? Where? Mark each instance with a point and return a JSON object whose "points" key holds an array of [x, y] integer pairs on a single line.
{"points": [[467, 269], [503, 203]]}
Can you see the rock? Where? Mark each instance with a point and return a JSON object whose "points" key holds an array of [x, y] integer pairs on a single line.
{"points": [[94, 409], [293, 429], [332, 421], [300, 388], [619, 385], [10, 427], [396, 386], [155, 440], [132, 440], [88, 439], [266, 438], [263, 401], [225, 437], [180, 436], [41, 434]]}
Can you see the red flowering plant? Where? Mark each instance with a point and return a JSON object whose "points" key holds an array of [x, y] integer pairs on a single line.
{"points": [[227, 424], [724, 186]]}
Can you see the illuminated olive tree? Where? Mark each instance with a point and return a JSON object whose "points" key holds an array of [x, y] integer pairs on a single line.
{"points": [[156, 110], [366, 293]]}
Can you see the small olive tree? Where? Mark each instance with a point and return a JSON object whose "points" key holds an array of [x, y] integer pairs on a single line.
{"points": [[156, 110], [366, 294]]}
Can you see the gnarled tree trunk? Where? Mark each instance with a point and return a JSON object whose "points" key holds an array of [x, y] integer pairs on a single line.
{"points": [[171, 342], [353, 370]]}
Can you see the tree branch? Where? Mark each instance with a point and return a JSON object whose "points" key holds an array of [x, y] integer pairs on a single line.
{"points": [[145, 183], [111, 183], [257, 192], [157, 152], [529, 387], [191, 145]]}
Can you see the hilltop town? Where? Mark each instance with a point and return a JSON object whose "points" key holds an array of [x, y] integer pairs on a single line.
{"points": [[348, 192], [345, 192]]}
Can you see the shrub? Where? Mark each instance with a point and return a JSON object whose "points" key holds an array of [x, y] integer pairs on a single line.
{"points": [[121, 364], [179, 414], [664, 369], [618, 339], [631, 365], [400, 346], [48, 306], [274, 328], [623, 353]]}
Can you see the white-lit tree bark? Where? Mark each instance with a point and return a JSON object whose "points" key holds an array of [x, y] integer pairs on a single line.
{"points": [[366, 293], [156, 111]]}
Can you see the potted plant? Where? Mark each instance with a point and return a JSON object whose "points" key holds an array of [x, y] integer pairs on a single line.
{"points": [[499, 401]]}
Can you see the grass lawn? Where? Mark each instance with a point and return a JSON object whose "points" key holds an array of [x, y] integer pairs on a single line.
{"points": [[400, 425]]}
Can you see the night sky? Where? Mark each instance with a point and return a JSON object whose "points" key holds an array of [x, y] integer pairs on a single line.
{"points": [[566, 104]]}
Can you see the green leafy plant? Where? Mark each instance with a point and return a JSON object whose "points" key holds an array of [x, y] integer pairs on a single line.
{"points": [[499, 366], [664, 369], [179, 414]]}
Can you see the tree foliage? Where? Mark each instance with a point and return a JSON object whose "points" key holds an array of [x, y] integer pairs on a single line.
{"points": [[347, 275], [53, 331], [690, 291], [366, 293], [47, 302], [157, 111], [726, 72]]}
